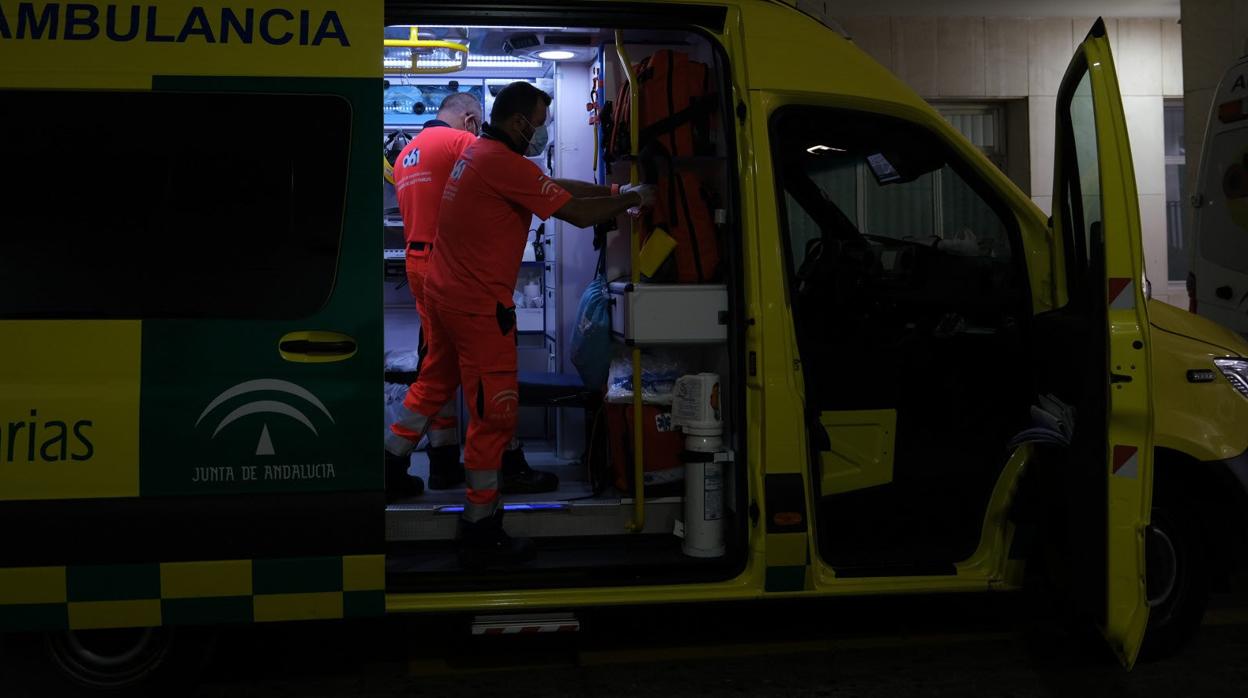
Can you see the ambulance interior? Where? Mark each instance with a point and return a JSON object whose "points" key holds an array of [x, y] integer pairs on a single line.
{"points": [[682, 329]]}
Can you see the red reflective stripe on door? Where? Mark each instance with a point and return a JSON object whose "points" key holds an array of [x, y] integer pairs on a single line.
{"points": [[1121, 293], [1126, 461]]}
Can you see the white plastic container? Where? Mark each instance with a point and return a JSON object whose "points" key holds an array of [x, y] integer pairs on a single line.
{"points": [[696, 405]]}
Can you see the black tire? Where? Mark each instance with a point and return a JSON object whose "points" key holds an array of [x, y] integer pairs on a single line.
{"points": [[1177, 579], [123, 663]]}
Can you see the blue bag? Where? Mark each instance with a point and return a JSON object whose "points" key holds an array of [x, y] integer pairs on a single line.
{"points": [[591, 338]]}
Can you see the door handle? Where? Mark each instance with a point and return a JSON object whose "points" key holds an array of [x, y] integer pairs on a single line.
{"points": [[314, 346], [1224, 292]]}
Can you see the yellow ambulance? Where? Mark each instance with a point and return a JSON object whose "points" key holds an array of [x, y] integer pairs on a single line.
{"points": [[925, 384]]}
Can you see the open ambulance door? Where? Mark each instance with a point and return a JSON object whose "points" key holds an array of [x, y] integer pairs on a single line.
{"points": [[1107, 478]]}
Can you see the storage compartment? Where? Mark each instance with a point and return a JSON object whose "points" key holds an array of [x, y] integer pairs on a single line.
{"points": [[669, 313]]}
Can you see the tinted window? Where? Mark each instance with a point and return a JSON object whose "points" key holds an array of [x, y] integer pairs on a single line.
{"points": [[1080, 188], [889, 182], [150, 205], [907, 293]]}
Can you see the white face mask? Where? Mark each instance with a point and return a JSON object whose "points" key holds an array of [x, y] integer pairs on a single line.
{"points": [[537, 141]]}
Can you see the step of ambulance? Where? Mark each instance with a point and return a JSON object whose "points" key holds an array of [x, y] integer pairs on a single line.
{"points": [[571, 512], [525, 624]]}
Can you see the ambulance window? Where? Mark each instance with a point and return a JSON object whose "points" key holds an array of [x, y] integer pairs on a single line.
{"points": [[888, 182], [1079, 186], [170, 205]]}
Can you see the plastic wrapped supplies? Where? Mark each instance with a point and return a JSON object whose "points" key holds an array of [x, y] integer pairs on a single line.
{"points": [[399, 361], [659, 372], [395, 392]]}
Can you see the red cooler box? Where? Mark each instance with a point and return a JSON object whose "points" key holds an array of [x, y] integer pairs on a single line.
{"points": [[663, 444]]}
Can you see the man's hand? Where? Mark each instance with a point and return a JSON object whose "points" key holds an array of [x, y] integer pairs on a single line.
{"points": [[645, 193], [584, 212]]}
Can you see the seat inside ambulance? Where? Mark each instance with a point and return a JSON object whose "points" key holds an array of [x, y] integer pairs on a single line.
{"points": [[683, 326]]}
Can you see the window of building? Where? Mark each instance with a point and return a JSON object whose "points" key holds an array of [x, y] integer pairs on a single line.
{"points": [[983, 125], [170, 205], [1176, 187]]}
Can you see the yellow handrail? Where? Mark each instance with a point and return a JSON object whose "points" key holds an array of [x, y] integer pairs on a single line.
{"points": [[414, 41], [639, 491]]}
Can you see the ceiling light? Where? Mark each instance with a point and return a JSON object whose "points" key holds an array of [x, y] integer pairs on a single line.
{"points": [[816, 149], [555, 55]]}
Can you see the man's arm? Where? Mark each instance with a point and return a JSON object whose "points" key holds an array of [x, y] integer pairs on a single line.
{"points": [[581, 189], [584, 212]]}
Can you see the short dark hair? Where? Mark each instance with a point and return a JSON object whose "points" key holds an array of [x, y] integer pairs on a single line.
{"points": [[517, 98], [458, 102]]}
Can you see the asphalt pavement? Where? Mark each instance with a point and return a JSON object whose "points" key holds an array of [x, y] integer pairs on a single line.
{"points": [[962, 645]]}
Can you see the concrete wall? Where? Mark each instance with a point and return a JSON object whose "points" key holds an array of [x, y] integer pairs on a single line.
{"points": [[992, 58], [1214, 32]]}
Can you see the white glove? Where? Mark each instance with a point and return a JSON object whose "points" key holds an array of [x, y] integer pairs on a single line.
{"points": [[644, 191]]}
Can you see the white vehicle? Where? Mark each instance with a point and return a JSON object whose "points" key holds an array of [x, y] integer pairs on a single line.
{"points": [[1218, 282]]}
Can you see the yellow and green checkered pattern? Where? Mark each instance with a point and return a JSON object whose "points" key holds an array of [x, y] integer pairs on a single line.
{"points": [[191, 593]]}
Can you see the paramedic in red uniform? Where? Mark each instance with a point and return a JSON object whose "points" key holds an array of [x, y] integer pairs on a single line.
{"points": [[489, 201], [420, 173]]}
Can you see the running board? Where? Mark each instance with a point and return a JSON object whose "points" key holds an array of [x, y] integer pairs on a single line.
{"points": [[525, 624], [405, 522]]}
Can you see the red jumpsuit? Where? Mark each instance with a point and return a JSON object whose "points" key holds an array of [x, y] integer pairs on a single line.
{"points": [[420, 174], [487, 207]]}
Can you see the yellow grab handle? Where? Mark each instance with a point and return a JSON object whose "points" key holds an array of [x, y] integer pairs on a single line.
{"points": [[414, 41]]}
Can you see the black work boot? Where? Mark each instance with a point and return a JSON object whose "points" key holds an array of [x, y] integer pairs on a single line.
{"points": [[484, 544], [398, 483], [519, 478], [445, 470]]}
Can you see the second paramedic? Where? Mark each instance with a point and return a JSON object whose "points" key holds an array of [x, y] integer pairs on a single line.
{"points": [[490, 199], [420, 172]]}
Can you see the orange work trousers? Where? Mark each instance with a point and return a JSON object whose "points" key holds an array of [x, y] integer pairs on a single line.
{"points": [[479, 353]]}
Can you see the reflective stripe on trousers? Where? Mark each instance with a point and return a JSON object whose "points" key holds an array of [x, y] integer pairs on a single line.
{"points": [[402, 436], [483, 500]]}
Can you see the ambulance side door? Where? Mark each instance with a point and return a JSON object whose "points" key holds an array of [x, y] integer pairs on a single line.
{"points": [[1109, 469], [190, 317]]}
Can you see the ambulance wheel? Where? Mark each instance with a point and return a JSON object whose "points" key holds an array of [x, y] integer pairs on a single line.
{"points": [[136, 662], [1177, 579]]}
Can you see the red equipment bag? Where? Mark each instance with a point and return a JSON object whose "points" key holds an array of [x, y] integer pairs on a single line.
{"points": [[674, 105], [663, 445], [683, 209]]}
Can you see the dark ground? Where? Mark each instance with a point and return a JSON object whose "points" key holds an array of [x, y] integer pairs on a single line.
{"points": [[982, 645]]}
